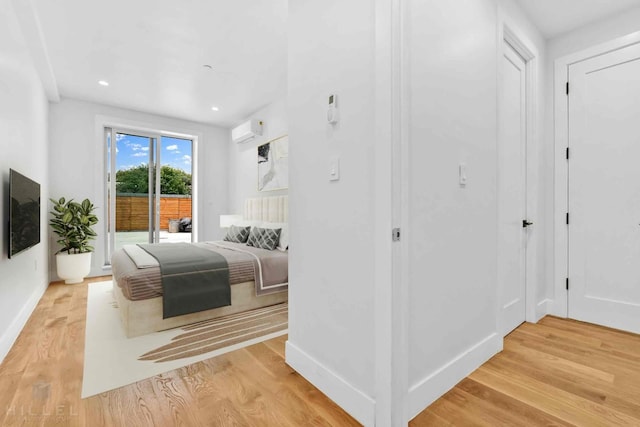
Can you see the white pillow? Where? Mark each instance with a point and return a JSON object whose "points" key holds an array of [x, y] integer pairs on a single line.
{"points": [[283, 245]]}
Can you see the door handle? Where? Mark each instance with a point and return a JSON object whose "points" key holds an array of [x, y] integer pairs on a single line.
{"points": [[526, 223]]}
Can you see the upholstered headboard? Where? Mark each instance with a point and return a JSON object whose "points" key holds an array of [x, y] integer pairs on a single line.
{"points": [[268, 209]]}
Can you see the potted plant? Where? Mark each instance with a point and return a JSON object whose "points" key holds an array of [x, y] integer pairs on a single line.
{"points": [[73, 222]]}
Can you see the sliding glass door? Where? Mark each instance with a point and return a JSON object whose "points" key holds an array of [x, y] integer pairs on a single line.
{"points": [[149, 185]]}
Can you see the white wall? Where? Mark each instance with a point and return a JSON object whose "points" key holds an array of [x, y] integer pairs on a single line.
{"points": [[23, 147], [243, 167], [331, 334], [77, 164], [592, 34], [450, 238], [566, 44], [452, 231]]}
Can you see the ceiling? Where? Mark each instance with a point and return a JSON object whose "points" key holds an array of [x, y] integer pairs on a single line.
{"points": [[555, 17], [152, 52]]}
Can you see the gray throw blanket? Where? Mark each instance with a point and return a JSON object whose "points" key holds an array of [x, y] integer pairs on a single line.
{"points": [[193, 279]]}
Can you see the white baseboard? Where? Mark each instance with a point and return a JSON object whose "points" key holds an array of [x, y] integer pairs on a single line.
{"points": [[9, 336], [95, 272], [554, 309], [543, 308], [353, 401], [435, 385]]}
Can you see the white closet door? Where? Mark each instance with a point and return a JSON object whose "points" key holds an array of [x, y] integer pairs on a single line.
{"points": [[604, 189], [512, 190]]}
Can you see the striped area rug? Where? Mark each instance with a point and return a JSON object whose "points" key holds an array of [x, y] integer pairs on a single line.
{"points": [[111, 360], [210, 335]]}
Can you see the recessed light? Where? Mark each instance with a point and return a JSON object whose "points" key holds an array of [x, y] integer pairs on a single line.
{"points": [[103, 83], [215, 108]]}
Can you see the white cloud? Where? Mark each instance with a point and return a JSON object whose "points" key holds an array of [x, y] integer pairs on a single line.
{"points": [[139, 154], [186, 157], [120, 137], [145, 148], [172, 147], [136, 147]]}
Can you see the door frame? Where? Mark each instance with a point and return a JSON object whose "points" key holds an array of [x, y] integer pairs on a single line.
{"points": [[100, 175], [508, 32], [153, 195], [559, 303], [391, 380]]}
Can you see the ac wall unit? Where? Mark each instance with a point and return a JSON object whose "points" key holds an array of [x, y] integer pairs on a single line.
{"points": [[246, 131]]}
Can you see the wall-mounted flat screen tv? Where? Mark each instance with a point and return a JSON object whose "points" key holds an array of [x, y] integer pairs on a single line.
{"points": [[24, 216]]}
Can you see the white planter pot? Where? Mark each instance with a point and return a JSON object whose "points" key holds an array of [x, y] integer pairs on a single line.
{"points": [[73, 268]]}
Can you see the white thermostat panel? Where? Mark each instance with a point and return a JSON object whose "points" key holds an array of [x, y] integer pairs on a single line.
{"points": [[332, 112]]}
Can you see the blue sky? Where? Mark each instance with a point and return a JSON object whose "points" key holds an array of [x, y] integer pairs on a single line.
{"points": [[134, 150]]}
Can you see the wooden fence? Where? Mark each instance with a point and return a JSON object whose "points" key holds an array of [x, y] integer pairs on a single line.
{"points": [[132, 211]]}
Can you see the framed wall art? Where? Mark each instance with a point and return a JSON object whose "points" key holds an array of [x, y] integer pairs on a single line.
{"points": [[273, 164]]}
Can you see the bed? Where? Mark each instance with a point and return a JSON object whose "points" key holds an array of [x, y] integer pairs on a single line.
{"points": [[258, 277]]}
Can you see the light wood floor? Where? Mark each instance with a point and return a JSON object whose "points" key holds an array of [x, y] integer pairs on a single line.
{"points": [[41, 380], [558, 372]]}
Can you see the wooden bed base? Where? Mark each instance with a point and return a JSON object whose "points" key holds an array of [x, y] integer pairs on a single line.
{"points": [[145, 316]]}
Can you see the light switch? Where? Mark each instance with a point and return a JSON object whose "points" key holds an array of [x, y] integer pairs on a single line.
{"points": [[334, 169], [462, 174], [332, 112]]}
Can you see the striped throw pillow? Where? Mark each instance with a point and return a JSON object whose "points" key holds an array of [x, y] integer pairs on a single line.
{"points": [[237, 234]]}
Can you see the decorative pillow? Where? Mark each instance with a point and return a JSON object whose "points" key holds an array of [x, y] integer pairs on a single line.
{"points": [[264, 238], [237, 234], [283, 244]]}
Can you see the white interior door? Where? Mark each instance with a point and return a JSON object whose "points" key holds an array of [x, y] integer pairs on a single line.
{"points": [[604, 190], [512, 190]]}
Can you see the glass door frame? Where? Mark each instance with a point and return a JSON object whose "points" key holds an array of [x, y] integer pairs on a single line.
{"points": [[153, 187], [113, 125]]}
